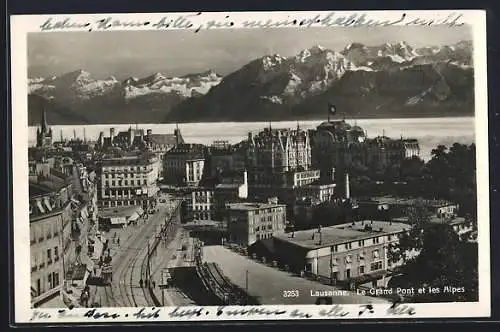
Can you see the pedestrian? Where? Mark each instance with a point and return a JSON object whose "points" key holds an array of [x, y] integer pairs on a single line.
{"points": [[118, 241], [140, 283]]}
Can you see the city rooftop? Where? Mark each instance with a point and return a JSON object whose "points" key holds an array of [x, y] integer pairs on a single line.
{"points": [[252, 206], [338, 234]]}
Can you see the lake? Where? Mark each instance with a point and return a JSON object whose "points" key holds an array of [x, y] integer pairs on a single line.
{"points": [[429, 131]]}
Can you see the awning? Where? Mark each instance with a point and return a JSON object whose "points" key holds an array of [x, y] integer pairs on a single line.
{"points": [[40, 207], [133, 217], [47, 204], [84, 213], [117, 220]]}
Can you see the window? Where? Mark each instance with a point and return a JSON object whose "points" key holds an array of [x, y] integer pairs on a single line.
{"points": [[348, 246], [49, 256], [34, 263], [335, 248], [32, 235], [56, 254], [50, 281], [40, 234], [361, 270], [348, 273], [375, 254], [348, 259], [48, 232], [389, 237], [38, 287], [376, 266], [376, 240], [361, 243]]}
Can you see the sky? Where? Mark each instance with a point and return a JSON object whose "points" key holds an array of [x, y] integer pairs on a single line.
{"points": [[140, 53]]}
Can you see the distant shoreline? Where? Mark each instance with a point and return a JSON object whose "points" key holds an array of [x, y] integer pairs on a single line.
{"points": [[347, 118]]}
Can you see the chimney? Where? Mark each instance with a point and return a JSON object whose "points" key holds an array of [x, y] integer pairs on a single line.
{"points": [[347, 186]]}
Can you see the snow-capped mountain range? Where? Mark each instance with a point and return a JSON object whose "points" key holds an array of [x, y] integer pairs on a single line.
{"points": [[265, 86], [80, 84]]}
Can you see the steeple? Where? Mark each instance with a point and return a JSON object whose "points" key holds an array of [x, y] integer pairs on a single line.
{"points": [[45, 126]]}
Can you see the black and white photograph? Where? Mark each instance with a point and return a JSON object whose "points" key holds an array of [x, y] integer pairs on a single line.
{"points": [[282, 160]]}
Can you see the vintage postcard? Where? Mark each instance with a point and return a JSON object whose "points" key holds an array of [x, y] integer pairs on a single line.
{"points": [[250, 166]]}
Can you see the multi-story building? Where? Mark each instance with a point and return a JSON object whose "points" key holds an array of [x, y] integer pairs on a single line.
{"points": [[337, 144], [351, 253], [226, 158], [63, 220], [128, 179], [137, 138], [335, 141], [209, 200], [231, 190], [251, 222], [396, 207], [50, 233], [383, 151], [201, 204], [184, 165], [277, 151]]}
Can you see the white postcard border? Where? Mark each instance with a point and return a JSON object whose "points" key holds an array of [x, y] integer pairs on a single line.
{"points": [[23, 24]]}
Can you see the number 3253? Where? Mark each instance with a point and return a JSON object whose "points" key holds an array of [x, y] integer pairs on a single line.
{"points": [[291, 293]]}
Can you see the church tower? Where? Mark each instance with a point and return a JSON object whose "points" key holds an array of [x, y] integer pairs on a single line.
{"points": [[44, 133]]}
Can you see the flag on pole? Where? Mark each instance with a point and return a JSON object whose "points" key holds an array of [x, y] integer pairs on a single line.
{"points": [[331, 109]]}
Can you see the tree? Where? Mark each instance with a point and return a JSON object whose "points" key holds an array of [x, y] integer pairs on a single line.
{"points": [[411, 241], [444, 262]]}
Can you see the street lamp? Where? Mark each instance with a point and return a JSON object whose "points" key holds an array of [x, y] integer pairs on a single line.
{"points": [[246, 285]]}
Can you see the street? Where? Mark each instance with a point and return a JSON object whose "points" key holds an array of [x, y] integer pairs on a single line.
{"points": [[168, 258], [129, 263], [270, 285]]}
